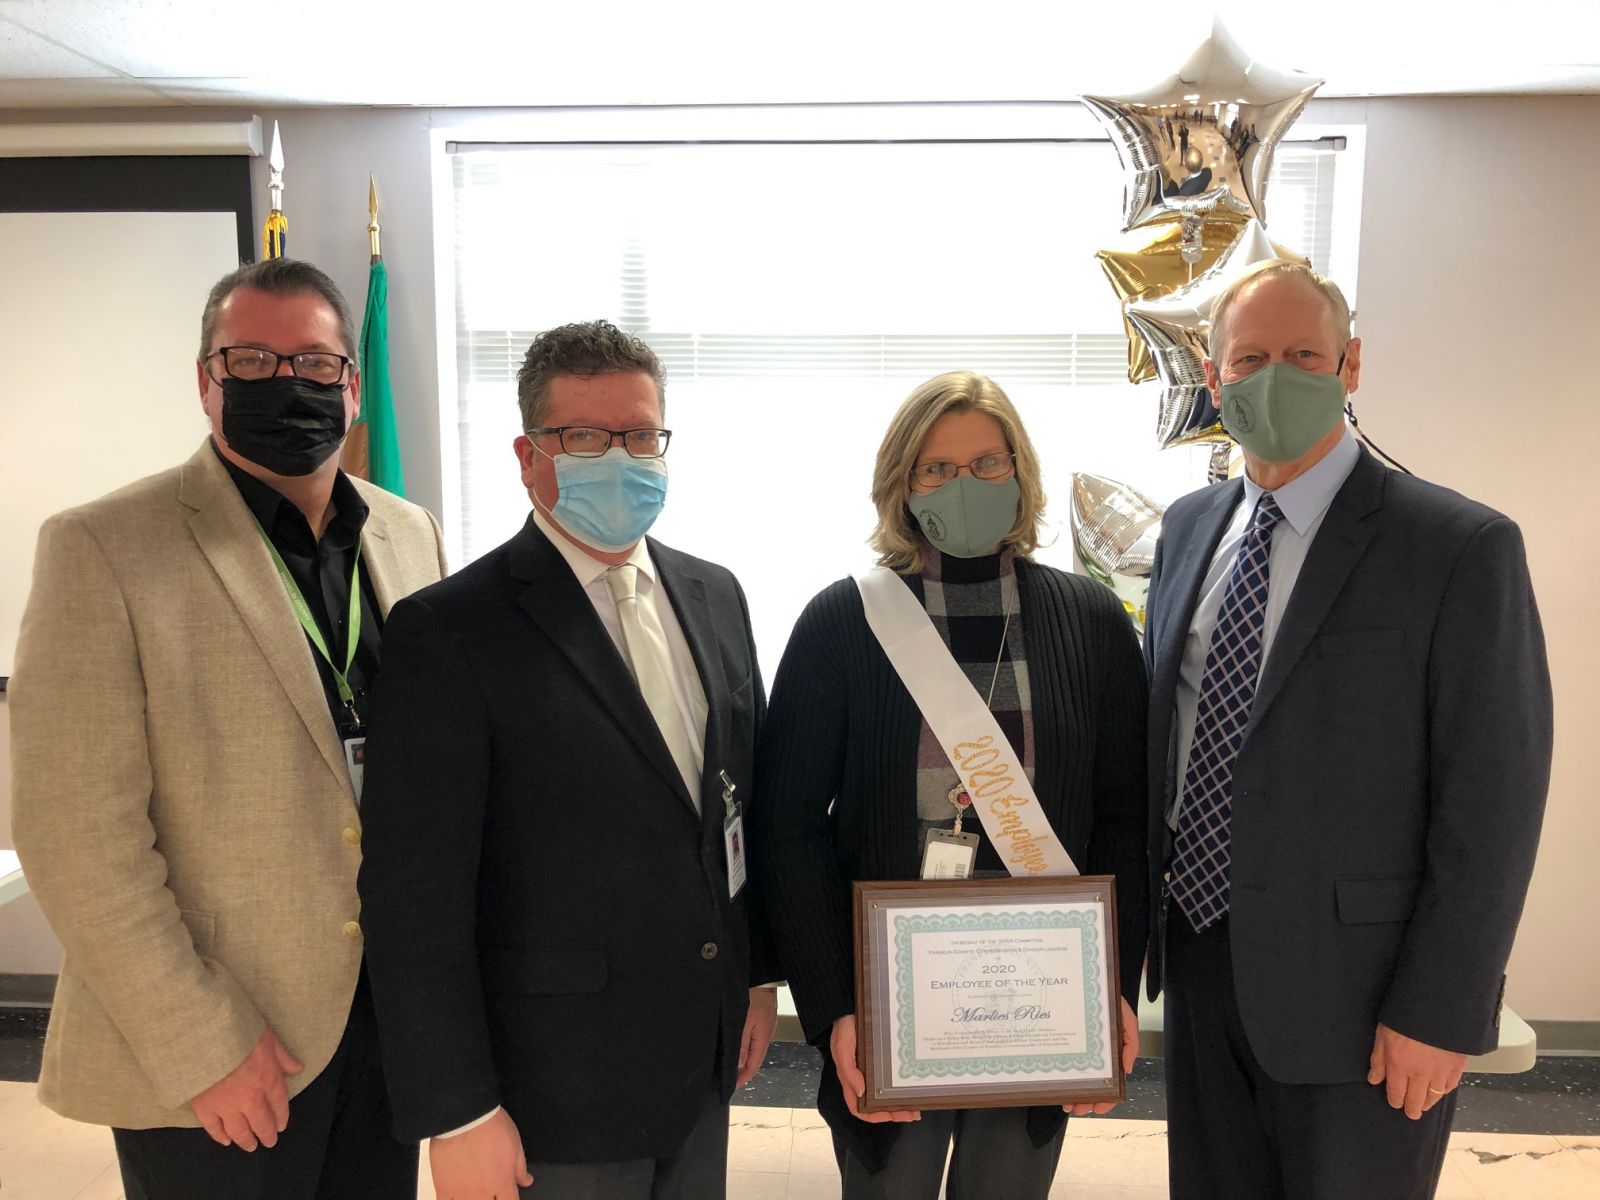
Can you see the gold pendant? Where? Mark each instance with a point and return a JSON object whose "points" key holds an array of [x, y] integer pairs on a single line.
{"points": [[961, 802]]}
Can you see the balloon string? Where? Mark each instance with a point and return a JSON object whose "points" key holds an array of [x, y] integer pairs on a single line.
{"points": [[1350, 411]]}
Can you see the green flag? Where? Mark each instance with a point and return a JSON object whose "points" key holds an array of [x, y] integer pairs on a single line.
{"points": [[373, 448]]}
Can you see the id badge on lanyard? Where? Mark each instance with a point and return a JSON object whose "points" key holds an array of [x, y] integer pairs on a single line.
{"points": [[352, 732]]}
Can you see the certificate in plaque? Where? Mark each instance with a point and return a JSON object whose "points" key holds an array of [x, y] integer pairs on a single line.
{"points": [[985, 993]]}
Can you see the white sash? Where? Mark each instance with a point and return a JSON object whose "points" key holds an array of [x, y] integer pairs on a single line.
{"points": [[967, 731]]}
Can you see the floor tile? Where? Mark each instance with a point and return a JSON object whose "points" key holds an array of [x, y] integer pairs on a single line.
{"points": [[807, 1118], [758, 1185], [1522, 1167], [106, 1186], [756, 1116], [1135, 1158], [787, 1154], [812, 1152], [814, 1187], [759, 1148], [1586, 1149]]}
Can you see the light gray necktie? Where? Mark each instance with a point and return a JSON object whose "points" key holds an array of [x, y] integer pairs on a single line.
{"points": [[652, 666]]}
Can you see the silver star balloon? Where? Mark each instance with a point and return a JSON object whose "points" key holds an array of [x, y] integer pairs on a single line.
{"points": [[1203, 139], [1177, 329], [1114, 530]]}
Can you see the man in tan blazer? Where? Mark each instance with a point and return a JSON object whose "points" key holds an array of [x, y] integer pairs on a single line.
{"points": [[187, 729]]}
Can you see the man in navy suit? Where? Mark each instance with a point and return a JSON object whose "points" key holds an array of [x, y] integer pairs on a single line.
{"points": [[1350, 749]]}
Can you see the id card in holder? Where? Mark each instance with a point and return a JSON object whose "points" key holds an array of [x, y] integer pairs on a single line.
{"points": [[733, 834], [733, 843], [355, 761], [948, 855]]}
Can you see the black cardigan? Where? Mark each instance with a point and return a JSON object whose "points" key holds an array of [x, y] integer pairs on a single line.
{"points": [[842, 731]]}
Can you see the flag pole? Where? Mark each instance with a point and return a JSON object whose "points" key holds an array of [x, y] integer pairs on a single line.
{"points": [[373, 228], [275, 233], [372, 450]]}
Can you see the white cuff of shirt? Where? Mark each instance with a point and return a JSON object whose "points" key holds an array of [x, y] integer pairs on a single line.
{"points": [[470, 1125]]}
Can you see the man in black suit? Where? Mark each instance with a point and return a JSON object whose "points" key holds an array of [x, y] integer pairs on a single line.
{"points": [[1350, 748], [561, 945]]}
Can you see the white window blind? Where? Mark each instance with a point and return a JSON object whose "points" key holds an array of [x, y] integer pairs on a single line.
{"points": [[795, 294]]}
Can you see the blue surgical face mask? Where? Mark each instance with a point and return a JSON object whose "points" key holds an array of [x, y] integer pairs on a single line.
{"points": [[608, 502]]}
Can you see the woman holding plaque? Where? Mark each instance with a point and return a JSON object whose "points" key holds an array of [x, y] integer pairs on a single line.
{"points": [[853, 784]]}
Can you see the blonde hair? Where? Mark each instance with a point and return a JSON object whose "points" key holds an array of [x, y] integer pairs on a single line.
{"points": [[897, 539], [1338, 306]]}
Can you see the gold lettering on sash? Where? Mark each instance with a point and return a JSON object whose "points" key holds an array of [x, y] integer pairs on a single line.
{"points": [[985, 774]]}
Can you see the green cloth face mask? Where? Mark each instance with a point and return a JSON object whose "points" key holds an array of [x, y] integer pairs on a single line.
{"points": [[1280, 412], [967, 517]]}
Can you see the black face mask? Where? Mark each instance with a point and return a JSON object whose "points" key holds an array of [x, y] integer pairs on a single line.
{"points": [[289, 425]]}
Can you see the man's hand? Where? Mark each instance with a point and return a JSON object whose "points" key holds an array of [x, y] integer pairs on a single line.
{"points": [[842, 1044], [486, 1163], [249, 1106], [1414, 1074], [759, 1024], [1130, 1052]]}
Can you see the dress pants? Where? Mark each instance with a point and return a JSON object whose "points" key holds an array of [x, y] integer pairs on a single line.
{"points": [[338, 1144], [994, 1159], [1234, 1133], [698, 1170]]}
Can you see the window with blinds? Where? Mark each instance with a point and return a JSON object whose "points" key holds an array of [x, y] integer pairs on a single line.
{"points": [[796, 293]]}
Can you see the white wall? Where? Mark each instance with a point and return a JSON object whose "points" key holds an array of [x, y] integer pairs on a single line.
{"points": [[132, 410], [1479, 313], [1477, 305]]}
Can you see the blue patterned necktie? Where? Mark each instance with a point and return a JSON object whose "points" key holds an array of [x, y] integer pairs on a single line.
{"points": [[1200, 852]]}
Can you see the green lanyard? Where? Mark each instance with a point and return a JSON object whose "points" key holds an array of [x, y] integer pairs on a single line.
{"points": [[307, 622]]}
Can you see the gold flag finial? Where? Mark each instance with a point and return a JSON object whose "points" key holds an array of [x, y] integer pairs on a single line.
{"points": [[275, 232], [373, 228]]}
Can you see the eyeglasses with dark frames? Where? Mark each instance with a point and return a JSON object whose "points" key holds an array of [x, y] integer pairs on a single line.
{"points": [[590, 441], [252, 363]]}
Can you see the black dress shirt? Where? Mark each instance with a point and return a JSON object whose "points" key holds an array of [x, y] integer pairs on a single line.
{"points": [[321, 568]]}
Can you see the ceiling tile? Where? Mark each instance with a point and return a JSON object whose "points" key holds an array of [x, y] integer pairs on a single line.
{"points": [[26, 55]]}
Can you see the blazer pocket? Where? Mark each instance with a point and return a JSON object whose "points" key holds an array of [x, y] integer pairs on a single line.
{"points": [[1363, 641], [531, 972], [202, 929], [1374, 901]]}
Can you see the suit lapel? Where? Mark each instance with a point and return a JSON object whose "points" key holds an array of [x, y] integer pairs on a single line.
{"points": [[378, 561], [1337, 547], [1185, 583], [228, 537], [686, 592], [561, 608]]}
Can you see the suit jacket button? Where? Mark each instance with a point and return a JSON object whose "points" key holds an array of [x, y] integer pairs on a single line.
{"points": [[352, 929], [352, 837], [708, 951]]}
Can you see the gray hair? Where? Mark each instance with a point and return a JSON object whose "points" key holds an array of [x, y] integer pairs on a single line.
{"points": [[278, 277], [1338, 306], [583, 348]]}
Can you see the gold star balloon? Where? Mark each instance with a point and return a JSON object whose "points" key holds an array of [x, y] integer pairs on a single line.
{"points": [[1203, 139], [1160, 262], [1176, 329]]}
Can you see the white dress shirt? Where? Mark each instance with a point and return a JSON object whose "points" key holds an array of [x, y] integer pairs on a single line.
{"points": [[656, 611], [656, 608], [1304, 502]]}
